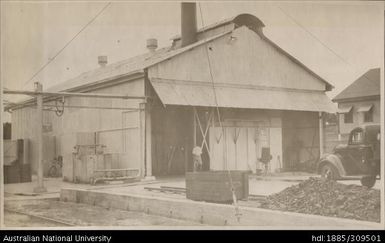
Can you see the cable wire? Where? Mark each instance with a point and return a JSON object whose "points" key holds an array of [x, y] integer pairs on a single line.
{"points": [[234, 197], [67, 44], [321, 42]]}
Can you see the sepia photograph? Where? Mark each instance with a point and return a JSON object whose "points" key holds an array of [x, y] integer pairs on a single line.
{"points": [[262, 115]]}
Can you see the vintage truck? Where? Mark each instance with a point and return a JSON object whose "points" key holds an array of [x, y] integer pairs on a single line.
{"points": [[359, 158]]}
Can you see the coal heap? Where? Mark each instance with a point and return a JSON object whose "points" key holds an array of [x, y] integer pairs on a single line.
{"points": [[328, 198]]}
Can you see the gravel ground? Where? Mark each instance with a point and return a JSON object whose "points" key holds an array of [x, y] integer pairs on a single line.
{"points": [[80, 215], [19, 220], [328, 198]]}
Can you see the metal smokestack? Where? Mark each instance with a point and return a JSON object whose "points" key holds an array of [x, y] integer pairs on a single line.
{"points": [[189, 23]]}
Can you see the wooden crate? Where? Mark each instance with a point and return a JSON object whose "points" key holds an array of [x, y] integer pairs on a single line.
{"points": [[215, 186], [12, 173], [84, 167], [25, 173]]}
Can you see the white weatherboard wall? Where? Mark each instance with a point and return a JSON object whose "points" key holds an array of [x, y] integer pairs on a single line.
{"points": [[250, 60], [276, 143], [358, 117], [239, 147], [107, 123]]}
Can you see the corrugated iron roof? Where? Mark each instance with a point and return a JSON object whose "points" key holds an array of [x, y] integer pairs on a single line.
{"points": [[366, 85], [120, 69], [126, 67], [174, 92]]}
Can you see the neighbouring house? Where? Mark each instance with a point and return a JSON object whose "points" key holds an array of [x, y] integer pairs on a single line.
{"points": [[360, 102], [266, 99]]}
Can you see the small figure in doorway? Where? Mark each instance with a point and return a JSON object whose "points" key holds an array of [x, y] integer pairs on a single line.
{"points": [[197, 158], [265, 158]]}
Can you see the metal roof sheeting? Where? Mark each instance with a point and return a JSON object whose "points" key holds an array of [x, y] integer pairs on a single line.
{"points": [[126, 67], [173, 92]]}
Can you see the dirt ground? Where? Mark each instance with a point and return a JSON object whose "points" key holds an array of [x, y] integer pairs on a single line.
{"points": [[79, 215]]}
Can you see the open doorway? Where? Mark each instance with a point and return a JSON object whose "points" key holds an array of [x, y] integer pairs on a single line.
{"points": [[172, 140]]}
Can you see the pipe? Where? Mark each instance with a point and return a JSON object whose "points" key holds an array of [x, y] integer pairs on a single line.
{"points": [[39, 139], [62, 94], [188, 23]]}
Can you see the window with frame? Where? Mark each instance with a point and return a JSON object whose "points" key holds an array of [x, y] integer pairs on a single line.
{"points": [[357, 137], [348, 117], [368, 115]]}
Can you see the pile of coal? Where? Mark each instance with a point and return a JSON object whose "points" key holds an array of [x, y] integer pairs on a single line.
{"points": [[328, 198]]}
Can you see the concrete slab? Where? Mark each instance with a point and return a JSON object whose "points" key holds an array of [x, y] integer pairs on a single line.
{"points": [[258, 185], [25, 191], [178, 207], [22, 191], [48, 213]]}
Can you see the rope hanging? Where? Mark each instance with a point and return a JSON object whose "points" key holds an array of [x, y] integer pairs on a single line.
{"points": [[235, 202]]}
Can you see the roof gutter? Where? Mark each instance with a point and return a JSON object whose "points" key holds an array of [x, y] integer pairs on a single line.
{"points": [[352, 99], [81, 89], [108, 81]]}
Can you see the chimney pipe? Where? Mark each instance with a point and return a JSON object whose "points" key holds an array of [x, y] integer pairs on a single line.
{"points": [[189, 23], [102, 60], [152, 44]]}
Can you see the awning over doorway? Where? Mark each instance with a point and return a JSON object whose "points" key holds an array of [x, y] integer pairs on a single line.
{"points": [[365, 108], [345, 109], [192, 93]]}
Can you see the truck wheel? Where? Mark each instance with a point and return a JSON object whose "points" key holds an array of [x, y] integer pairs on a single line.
{"points": [[329, 172], [368, 181]]}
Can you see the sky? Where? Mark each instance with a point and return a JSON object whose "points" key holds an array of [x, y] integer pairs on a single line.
{"points": [[338, 40]]}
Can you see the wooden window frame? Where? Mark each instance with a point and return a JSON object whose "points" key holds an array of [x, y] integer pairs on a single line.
{"points": [[368, 115], [348, 115]]}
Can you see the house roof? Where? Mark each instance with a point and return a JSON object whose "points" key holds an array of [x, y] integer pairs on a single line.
{"points": [[365, 86]]}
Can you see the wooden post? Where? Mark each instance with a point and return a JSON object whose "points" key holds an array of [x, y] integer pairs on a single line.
{"points": [[39, 139], [142, 121], [1, 159], [148, 141], [321, 133], [195, 126]]}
